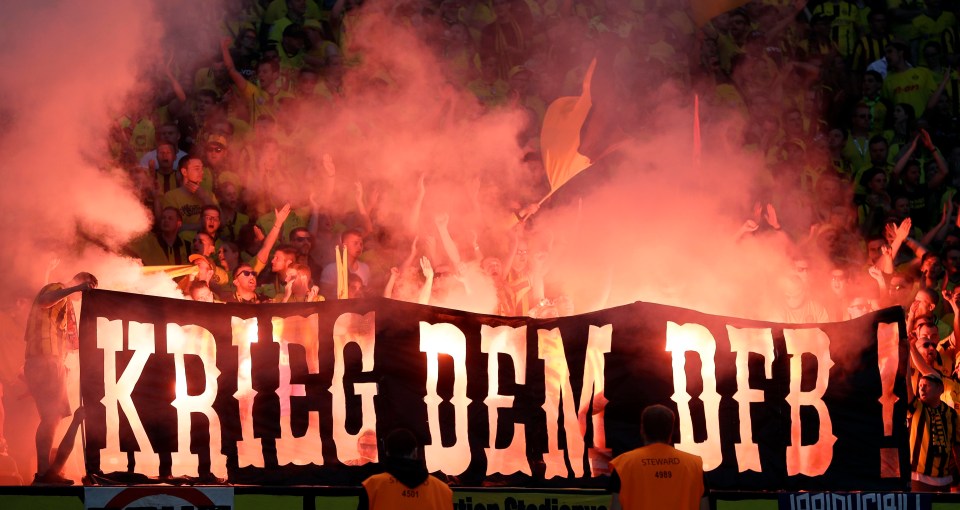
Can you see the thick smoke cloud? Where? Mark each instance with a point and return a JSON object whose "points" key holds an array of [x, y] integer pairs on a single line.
{"points": [[72, 67]]}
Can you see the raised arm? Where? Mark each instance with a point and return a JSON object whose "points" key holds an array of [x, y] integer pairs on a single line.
{"points": [[391, 282], [515, 232], [477, 252], [885, 262], [427, 289], [442, 221], [174, 83], [935, 97], [916, 359], [52, 297], [938, 232], [942, 169], [950, 296], [317, 201], [264, 254], [413, 221], [362, 208], [901, 233], [235, 75], [904, 157]]}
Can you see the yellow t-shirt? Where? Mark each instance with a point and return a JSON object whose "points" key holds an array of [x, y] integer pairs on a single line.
{"points": [[188, 203], [262, 103], [913, 86], [384, 492], [659, 476]]}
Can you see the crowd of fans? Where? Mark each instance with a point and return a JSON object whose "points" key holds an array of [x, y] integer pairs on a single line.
{"points": [[851, 105]]}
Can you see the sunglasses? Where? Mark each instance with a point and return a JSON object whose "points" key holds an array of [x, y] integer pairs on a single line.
{"points": [[302, 238], [246, 272], [216, 149], [929, 345]]}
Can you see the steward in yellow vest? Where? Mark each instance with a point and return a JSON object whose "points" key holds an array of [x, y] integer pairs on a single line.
{"points": [[406, 483]]}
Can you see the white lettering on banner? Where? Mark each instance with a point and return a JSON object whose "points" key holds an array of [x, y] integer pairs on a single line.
{"points": [[513, 343], [559, 390], [195, 341], [814, 459], [308, 448], [140, 361], [888, 354], [696, 338], [118, 390], [743, 342], [437, 339], [344, 334], [245, 332]]}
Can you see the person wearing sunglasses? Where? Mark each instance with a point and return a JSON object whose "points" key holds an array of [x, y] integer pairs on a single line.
{"points": [[245, 281]]}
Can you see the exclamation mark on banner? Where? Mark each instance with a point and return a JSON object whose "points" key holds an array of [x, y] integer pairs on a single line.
{"points": [[888, 355]]}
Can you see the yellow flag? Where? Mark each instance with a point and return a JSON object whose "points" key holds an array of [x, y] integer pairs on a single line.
{"points": [[343, 274], [171, 271], [560, 135], [705, 10]]}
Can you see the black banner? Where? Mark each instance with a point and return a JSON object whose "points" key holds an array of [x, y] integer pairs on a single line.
{"points": [[299, 393]]}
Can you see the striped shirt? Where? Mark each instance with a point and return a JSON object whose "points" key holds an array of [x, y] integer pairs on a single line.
{"points": [[869, 49], [933, 434], [843, 18], [47, 327]]}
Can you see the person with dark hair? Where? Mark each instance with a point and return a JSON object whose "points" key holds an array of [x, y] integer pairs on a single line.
{"points": [[875, 204], [870, 87], [162, 245], [245, 282], [870, 47], [406, 483], [199, 290], [263, 97], [903, 125], [291, 50], [857, 149], [169, 134], [51, 332], [878, 151], [190, 197], [657, 475], [908, 182], [210, 222], [274, 282]]}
